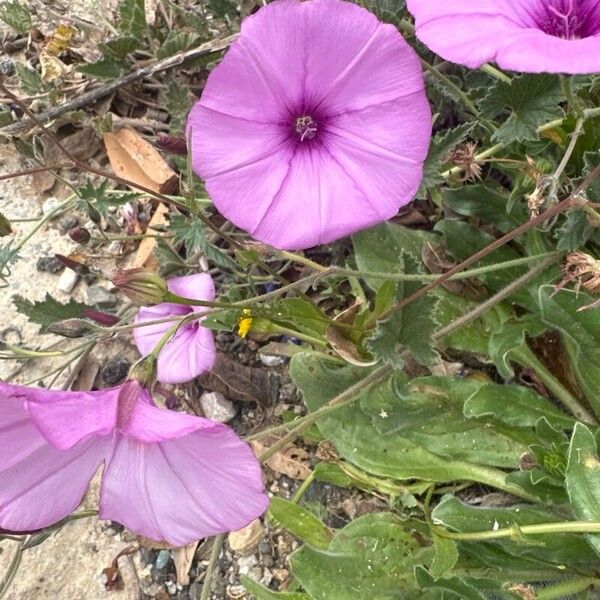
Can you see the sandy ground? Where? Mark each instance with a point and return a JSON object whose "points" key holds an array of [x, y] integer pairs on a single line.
{"points": [[69, 565]]}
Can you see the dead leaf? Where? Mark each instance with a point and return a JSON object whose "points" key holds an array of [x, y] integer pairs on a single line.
{"points": [[111, 574], [291, 460], [52, 67], [341, 344], [84, 380], [43, 181], [239, 382], [60, 40], [146, 248], [183, 557], [133, 158], [246, 540], [434, 257]]}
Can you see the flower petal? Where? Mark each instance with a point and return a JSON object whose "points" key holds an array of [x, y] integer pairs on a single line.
{"points": [[184, 489], [464, 32], [147, 336], [189, 353], [199, 286], [39, 484], [66, 418]]}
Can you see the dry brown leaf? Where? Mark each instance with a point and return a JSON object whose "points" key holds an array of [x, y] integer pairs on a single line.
{"points": [[183, 557], [291, 460], [84, 380], [133, 158], [147, 245], [246, 540], [239, 382]]}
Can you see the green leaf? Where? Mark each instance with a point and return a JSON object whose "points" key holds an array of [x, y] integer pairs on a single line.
{"points": [[580, 334], [429, 411], [441, 145], [49, 310], [574, 231], [31, 80], [529, 101], [514, 405], [15, 15], [372, 557], [132, 18], [105, 68], [452, 587], [445, 557], [96, 201], [177, 41], [192, 232], [519, 552], [394, 455], [178, 104], [486, 204], [120, 47], [262, 593], [583, 479], [510, 337], [410, 327], [301, 522]]}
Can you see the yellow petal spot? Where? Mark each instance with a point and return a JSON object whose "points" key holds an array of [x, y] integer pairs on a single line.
{"points": [[245, 324]]}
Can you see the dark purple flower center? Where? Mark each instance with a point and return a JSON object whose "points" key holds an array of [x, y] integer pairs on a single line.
{"points": [[568, 19], [306, 128]]}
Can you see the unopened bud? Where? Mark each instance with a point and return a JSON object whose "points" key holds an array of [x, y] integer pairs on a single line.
{"points": [[101, 317], [5, 227], [142, 286], [80, 235], [73, 328], [175, 145], [144, 371], [74, 265]]}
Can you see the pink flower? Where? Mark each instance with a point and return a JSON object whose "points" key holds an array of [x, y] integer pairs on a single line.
{"points": [[191, 351], [534, 36], [168, 476], [314, 125]]}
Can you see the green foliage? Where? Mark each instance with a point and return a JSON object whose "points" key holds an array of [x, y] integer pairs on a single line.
{"points": [[192, 232], [49, 310], [96, 200], [107, 67], [301, 522], [529, 101], [15, 15], [30, 79], [132, 18], [261, 593]]}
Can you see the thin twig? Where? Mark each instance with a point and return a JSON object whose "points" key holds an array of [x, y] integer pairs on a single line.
{"points": [[212, 564], [89, 98]]}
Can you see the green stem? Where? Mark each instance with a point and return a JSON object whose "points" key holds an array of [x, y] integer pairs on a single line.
{"points": [[496, 73], [518, 531], [212, 563], [302, 489], [526, 358], [566, 588], [12, 571], [452, 87]]}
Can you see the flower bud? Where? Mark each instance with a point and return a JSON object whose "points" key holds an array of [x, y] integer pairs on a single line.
{"points": [[174, 145], [74, 265], [142, 286], [73, 328], [104, 318], [5, 227], [80, 235], [144, 371]]}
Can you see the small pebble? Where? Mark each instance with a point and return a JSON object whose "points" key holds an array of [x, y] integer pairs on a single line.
{"points": [[115, 370], [195, 591], [67, 281], [171, 587], [49, 264], [162, 559], [67, 223], [216, 407], [271, 361], [246, 563], [50, 204], [98, 296]]}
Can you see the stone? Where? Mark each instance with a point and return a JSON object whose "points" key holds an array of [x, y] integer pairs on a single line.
{"points": [[246, 563], [96, 295], [68, 281], [271, 361], [216, 407], [49, 264], [67, 223], [115, 370], [246, 540], [50, 204], [195, 591]]}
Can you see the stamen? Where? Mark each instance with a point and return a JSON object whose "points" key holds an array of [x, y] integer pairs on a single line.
{"points": [[306, 127]]}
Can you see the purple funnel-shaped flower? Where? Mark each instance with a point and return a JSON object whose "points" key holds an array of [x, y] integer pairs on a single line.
{"points": [[533, 36], [191, 351], [168, 476], [314, 125]]}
